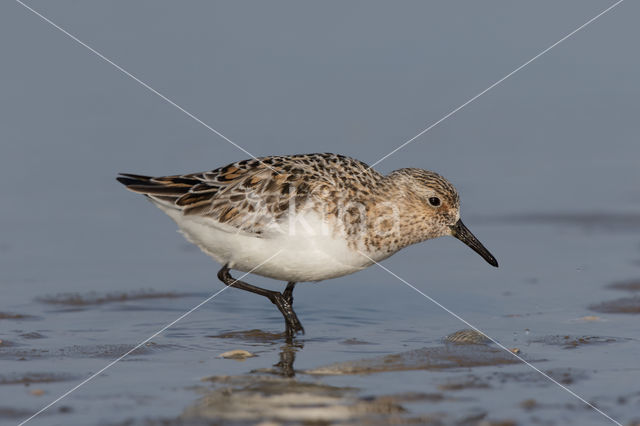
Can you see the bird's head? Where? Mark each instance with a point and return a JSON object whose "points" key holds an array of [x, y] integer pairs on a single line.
{"points": [[434, 200]]}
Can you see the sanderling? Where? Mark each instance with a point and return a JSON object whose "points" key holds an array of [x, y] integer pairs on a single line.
{"points": [[326, 215]]}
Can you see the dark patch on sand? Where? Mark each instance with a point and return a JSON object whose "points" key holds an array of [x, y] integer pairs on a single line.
{"points": [[434, 358], [167, 421], [532, 404], [269, 384], [354, 341], [29, 378], [32, 335], [255, 335], [523, 315], [462, 383], [83, 351], [14, 413], [632, 286], [566, 376], [626, 305], [78, 300], [407, 397], [22, 354], [102, 351], [6, 344], [12, 316], [112, 351], [572, 342], [498, 423]]}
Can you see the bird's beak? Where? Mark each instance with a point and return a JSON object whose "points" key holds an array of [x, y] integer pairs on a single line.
{"points": [[462, 233]]}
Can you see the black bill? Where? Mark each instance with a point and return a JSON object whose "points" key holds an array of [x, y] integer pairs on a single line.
{"points": [[462, 233]]}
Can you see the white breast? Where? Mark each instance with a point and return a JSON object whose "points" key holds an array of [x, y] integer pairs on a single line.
{"points": [[307, 249]]}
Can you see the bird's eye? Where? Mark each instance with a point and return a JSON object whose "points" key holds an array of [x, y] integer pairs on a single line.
{"points": [[434, 201]]}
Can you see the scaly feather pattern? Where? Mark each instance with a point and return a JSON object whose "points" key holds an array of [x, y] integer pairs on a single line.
{"points": [[250, 194]]}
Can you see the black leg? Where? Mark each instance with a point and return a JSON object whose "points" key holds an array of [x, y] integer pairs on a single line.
{"points": [[282, 301], [288, 292]]}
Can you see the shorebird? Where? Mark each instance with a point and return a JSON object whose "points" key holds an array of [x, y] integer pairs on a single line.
{"points": [[325, 215]]}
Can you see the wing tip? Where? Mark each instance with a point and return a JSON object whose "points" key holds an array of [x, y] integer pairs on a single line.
{"points": [[125, 178], [134, 182], [151, 186]]}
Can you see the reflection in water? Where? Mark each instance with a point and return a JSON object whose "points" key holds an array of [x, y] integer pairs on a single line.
{"points": [[276, 394], [287, 354], [288, 357]]}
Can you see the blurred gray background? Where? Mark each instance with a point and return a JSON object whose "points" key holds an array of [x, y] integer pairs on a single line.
{"points": [[358, 78]]}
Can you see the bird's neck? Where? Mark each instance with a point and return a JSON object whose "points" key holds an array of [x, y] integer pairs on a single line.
{"points": [[394, 220]]}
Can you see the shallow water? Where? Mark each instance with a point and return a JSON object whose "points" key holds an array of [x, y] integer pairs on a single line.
{"points": [[547, 166], [398, 364]]}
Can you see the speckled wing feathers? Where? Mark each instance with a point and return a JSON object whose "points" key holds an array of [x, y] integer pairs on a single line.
{"points": [[250, 194]]}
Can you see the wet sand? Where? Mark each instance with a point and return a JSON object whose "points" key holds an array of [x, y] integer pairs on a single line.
{"points": [[455, 378], [376, 354], [368, 358]]}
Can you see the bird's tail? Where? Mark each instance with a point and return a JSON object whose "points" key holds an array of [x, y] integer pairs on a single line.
{"points": [[165, 190]]}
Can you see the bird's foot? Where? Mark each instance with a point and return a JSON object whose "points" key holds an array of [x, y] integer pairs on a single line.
{"points": [[292, 323]]}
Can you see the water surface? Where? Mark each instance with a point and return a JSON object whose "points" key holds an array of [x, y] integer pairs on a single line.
{"points": [[547, 166]]}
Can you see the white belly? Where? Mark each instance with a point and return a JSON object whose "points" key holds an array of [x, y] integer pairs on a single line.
{"points": [[307, 254]]}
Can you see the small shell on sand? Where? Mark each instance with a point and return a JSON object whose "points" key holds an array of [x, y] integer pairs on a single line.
{"points": [[590, 318], [467, 337], [237, 354]]}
